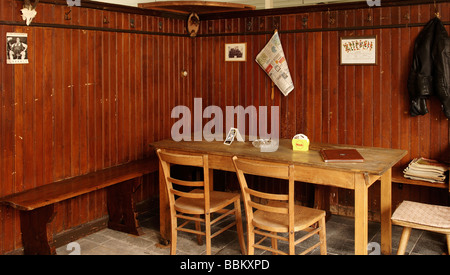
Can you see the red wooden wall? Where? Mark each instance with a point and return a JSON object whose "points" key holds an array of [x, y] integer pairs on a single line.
{"points": [[97, 91], [89, 98], [360, 105]]}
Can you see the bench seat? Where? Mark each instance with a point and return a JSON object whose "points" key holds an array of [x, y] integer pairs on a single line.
{"points": [[37, 209]]}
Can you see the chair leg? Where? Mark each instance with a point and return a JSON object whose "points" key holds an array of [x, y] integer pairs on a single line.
{"points": [[208, 233], [239, 228], [250, 239], [274, 244], [291, 243], [323, 237], [198, 227], [173, 243], [404, 240]]}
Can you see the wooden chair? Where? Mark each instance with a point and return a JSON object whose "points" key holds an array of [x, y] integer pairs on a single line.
{"points": [[279, 214], [198, 204], [421, 216]]}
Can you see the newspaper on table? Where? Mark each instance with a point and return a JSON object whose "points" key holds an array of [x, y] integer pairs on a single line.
{"points": [[273, 62]]}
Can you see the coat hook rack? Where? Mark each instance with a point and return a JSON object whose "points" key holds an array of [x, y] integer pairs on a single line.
{"points": [[436, 11], [331, 18], [276, 23], [305, 21], [66, 15], [369, 18]]}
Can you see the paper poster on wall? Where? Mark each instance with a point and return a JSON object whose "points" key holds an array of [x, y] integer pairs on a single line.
{"points": [[273, 62], [16, 48]]}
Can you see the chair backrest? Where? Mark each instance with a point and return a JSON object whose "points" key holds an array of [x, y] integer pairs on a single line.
{"points": [[167, 158], [252, 198]]}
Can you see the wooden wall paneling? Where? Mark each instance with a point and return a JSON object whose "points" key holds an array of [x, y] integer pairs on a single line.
{"points": [[7, 137], [325, 51], [396, 64], [356, 104], [81, 204], [318, 37], [290, 53], [341, 88], [96, 97], [414, 140], [133, 86], [425, 121], [106, 92], [405, 52], [166, 85], [77, 107], [143, 190], [99, 112], [386, 80], [158, 89]]}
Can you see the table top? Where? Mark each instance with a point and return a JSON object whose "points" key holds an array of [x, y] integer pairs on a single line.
{"points": [[376, 160]]}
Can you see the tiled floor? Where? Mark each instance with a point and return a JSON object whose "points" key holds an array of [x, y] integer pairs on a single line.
{"points": [[340, 241]]}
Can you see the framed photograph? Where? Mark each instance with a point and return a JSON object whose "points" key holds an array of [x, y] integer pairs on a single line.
{"points": [[16, 48], [359, 50], [236, 52]]}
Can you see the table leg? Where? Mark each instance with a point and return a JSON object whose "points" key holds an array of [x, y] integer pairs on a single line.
{"points": [[386, 212], [164, 211], [361, 217]]}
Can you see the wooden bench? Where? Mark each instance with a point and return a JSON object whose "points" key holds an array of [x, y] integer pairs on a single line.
{"points": [[37, 209]]}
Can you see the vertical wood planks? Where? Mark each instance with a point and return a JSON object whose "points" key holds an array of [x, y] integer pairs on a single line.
{"points": [[361, 105], [89, 99]]}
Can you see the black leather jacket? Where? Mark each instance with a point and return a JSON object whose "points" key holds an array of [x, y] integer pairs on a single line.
{"points": [[430, 70]]}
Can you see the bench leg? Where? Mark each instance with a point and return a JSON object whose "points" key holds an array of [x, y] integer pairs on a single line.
{"points": [[37, 238], [121, 207], [448, 243]]}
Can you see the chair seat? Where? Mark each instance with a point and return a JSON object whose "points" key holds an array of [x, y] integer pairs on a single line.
{"points": [[218, 200], [304, 217], [423, 216]]}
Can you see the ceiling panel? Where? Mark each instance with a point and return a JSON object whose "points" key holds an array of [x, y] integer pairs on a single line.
{"points": [[259, 4]]}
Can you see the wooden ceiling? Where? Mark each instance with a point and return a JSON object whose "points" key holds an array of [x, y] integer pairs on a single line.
{"points": [[199, 7]]}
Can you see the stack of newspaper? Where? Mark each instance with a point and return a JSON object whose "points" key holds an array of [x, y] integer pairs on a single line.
{"points": [[426, 170]]}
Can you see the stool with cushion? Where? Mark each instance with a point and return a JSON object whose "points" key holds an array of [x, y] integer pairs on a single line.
{"points": [[421, 216]]}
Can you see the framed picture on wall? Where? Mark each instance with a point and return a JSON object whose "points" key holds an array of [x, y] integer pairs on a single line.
{"points": [[359, 50], [236, 52], [16, 48]]}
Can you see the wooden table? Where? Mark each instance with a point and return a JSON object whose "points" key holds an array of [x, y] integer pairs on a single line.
{"points": [[309, 167]]}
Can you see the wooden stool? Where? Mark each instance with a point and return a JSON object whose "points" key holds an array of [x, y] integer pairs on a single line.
{"points": [[421, 216]]}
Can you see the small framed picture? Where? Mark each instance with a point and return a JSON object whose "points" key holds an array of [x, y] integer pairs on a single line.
{"points": [[236, 52], [16, 48], [359, 50]]}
